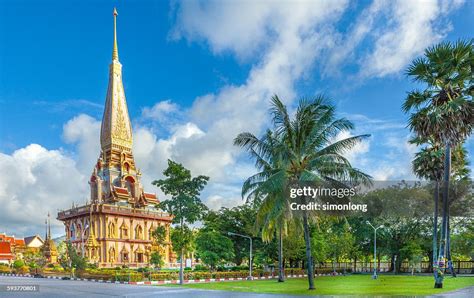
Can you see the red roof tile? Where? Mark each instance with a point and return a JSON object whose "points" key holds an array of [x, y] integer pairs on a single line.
{"points": [[20, 242], [121, 190], [5, 248]]}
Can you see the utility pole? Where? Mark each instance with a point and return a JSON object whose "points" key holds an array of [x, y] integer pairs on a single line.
{"points": [[374, 276], [250, 259]]}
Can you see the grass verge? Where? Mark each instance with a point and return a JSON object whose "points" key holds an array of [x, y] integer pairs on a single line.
{"points": [[344, 285]]}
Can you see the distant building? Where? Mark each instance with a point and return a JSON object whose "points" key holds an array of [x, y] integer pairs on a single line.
{"points": [[34, 242], [6, 253], [17, 245], [49, 249], [115, 229]]}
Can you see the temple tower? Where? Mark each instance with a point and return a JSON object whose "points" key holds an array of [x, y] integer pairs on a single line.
{"points": [[114, 228]]}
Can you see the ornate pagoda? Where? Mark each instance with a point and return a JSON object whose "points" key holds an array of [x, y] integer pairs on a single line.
{"points": [[49, 250], [115, 227]]}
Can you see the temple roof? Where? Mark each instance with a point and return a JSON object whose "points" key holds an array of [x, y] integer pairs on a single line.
{"points": [[116, 127], [29, 239], [5, 248]]}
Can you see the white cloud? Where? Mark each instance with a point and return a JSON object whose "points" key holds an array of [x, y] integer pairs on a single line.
{"points": [[387, 35], [287, 44], [36, 181], [412, 27], [393, 161], [283, 40], [164, 113], [84, 131]]}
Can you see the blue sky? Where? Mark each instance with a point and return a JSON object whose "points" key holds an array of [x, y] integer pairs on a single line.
{"points": [[195, 74]]}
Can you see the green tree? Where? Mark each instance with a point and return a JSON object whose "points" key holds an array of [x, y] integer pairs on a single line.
{"points": [[340, 240], [428, 164], [73, 260], [159, 238], [213, 248], [18, 264], [240, 220], [273, 213], [185, 205], [156, 259], [310, 154], [444, 110]]}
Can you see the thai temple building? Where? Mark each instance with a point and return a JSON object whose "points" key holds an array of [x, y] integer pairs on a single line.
{"points": [[49, 249], [115, 227]]}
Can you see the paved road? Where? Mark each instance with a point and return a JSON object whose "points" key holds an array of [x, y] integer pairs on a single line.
{"points": [[51, 288], [463, 293]]}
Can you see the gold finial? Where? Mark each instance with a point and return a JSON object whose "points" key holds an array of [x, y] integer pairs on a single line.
{"points": [[115, 51]]}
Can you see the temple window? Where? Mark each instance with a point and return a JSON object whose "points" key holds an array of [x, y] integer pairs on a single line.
{"points": [[72, 232], [111, 255], [127, 167], [79, 231], [123, 231], [138, 232], [150, 234], [111, 230]]}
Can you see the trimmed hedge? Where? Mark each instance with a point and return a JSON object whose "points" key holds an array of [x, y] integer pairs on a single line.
{"points": [[5, 269]]}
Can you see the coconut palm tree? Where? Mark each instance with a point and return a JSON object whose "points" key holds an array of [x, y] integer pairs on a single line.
{"points": [[444, 110], [273, 212], [308, 152]]}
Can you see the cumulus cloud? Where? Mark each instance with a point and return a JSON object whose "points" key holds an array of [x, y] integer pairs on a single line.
{"points": [[412, 26], [283, 41], [288, 44], [387, 35], [84, 131], [36, 181]]}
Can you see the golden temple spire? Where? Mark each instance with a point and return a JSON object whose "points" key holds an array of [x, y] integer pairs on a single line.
{"points": [[115, 51], [116, 127], [49, 227]]}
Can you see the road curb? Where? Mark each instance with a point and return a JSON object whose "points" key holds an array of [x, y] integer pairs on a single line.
{"points": [[161, 282]]}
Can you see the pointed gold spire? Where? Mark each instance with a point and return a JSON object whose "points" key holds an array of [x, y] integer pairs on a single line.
{"points": [[49, 227], [116, 127], [115, 51]]}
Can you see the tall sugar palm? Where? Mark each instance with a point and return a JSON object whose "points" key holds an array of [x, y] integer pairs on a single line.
{"points": [[312, 154], [427, 165], [444, 110], [266, 188]]}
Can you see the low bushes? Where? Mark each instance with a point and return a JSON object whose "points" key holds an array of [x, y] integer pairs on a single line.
{"points": [[5, 269], [330, 271]]}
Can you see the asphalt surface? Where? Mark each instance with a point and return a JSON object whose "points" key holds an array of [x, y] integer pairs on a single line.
{"points": [[51, 288]]}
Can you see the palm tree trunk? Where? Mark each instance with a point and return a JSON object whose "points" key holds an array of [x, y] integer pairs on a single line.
{"points": [[448, 247], [309, 257], [281, 273], [435, 226], [444, 226]]}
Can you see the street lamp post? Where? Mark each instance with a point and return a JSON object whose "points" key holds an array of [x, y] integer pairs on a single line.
{"points": [[250, 259], [375, 247]]}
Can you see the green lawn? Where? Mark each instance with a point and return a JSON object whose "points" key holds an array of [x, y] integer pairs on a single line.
{"points": [[344, 285]]}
